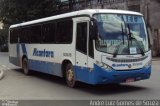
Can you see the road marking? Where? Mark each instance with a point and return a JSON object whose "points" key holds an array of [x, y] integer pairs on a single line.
{"points": [[8, 68], [4, 66]]}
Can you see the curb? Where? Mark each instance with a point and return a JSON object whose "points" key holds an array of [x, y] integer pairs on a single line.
{"points": [[155, 59], [1, 74]]}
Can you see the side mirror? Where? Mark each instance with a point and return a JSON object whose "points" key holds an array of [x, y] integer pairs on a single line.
{"points": [[93, 29], [150, 37]]}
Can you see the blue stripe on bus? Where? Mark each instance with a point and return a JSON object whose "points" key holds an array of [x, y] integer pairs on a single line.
{"points": [[45, 67], [18, 50], [101, 76], [17, 62], [41, 66], [24, 49], [82, 74], [97, 76]]}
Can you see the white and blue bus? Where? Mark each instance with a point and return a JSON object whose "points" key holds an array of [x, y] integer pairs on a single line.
{"points": [[94, 46]]}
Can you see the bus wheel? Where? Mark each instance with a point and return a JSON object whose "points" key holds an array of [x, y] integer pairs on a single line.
{"points": [[25, 66], [70, 78]]}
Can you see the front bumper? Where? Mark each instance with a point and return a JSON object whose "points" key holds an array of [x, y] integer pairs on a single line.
{"points": [[102, 76]]}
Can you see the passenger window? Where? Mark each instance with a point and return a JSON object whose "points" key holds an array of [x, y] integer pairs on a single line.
{"points": [[48, 33], [64, 32], [35, 34]]}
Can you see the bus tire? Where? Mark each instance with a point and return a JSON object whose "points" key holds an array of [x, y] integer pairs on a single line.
{"points": [[25, 66], [70, 76]]}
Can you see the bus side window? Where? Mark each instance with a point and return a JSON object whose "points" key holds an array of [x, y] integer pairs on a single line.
{"points": [[64, 32], [48, 33], [11, 36], [14, 36], [35, 32], [23, 33], [81, 40]]}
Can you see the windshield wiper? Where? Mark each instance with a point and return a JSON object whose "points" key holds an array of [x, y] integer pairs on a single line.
{"points": [[133, 38], [122, 33], [117, 48], [129, 38]]}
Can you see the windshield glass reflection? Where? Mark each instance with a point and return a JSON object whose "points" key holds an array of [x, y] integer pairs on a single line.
{"points": [[115, 31]]}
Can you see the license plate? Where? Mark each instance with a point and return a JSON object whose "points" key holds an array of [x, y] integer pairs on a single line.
{"points": [[130, 80]]}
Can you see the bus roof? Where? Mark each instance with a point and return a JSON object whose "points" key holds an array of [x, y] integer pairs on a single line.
{"points": [[88, 12]]}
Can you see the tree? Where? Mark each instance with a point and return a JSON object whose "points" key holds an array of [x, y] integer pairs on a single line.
{"points": [[157, 1], [18, 11]]}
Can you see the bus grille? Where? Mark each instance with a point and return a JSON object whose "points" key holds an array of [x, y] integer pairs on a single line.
{"points": [[127, 60]]}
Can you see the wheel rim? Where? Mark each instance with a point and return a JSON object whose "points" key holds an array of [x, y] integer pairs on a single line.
{"points": [[70, 75]]}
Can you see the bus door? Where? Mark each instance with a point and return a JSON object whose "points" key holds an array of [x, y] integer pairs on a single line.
{"points": [[82, 34]]}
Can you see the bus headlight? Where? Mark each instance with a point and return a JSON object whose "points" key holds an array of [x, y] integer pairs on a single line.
{"points": [[148, 64], [104, 66]]}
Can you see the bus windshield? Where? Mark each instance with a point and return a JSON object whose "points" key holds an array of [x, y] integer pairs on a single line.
{"points": [[121, 34]]}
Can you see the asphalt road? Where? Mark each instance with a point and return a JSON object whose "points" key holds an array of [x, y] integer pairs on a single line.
{"points": [[38, 86]]}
